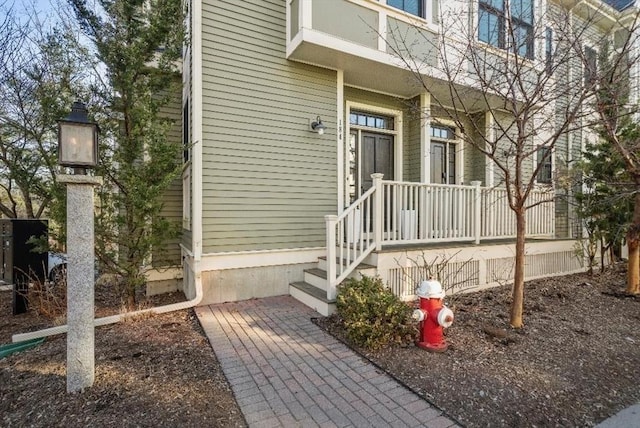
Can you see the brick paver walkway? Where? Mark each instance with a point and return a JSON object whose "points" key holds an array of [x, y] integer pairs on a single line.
{"points": [[287, 372]]}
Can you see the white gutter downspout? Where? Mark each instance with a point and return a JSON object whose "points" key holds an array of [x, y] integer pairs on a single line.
{"points": [[196, 228]]}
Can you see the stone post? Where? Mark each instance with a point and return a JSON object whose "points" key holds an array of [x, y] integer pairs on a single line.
{"points": [[80, 280]]}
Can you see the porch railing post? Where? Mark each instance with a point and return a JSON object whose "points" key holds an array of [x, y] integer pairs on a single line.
{"points": [[477, 212], [331, 221], [377, 210]]}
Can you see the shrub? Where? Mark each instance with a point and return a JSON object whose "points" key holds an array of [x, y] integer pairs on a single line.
{"points": [[372, 315], [48, 299]]}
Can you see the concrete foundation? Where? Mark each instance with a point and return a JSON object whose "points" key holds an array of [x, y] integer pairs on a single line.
{"points": [[246, 283]]}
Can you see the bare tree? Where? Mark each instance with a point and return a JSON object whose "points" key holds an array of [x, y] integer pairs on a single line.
{"points": [[515, 83], [39, 78]]}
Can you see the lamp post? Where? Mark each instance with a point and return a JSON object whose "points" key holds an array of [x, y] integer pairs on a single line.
{"points": [[78, 149]]}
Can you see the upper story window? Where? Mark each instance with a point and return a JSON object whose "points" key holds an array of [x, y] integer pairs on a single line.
{"points": [[548, 50], [546, 168], [507, 24], [590, 65], [414, 7], [186, 144]]}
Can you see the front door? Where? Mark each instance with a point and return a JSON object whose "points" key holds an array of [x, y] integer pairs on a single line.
{"points": [[376, 155]]}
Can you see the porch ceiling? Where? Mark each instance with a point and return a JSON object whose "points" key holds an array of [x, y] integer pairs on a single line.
{"points": [[359, 71]]}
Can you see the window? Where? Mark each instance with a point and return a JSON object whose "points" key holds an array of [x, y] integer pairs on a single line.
{"points": [[491, 22], [414, 7], [507, 28], [442, 132], [185, 132], [371, 120], [544, 159], [548, 50], [590, 65]]}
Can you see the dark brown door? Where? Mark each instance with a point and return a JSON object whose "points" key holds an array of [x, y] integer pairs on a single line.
{"points": [[376, 156], [443, 163]]}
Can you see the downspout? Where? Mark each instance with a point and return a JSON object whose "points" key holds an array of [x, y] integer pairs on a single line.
{"points": [[196, 79]]}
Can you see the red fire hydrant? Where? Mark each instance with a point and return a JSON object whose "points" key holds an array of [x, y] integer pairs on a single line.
{"points": [[433, 315]]}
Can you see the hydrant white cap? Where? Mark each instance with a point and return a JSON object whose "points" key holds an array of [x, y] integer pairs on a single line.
{"points": [[430, 289]]}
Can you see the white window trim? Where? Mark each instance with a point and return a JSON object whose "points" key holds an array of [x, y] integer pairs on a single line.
{"points": [[398, 123], [458, 141], [186, 197], [537, 11]]}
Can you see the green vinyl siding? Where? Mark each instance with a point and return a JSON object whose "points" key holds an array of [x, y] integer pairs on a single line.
{"points": [[373, 99], [411, 153], [268, 180], [169, 253], [412, 43], [347, 21], [475, 162]]}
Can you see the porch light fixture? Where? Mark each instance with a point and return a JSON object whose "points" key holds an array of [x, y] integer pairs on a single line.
{"points": [[318, 126], [77, 140]]}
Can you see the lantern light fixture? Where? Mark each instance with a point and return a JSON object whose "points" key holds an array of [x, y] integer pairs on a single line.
{"points": [[318, 126], [77, 140]]}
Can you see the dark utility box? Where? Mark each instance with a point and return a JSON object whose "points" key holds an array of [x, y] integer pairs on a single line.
{"points": [[18, 262]]}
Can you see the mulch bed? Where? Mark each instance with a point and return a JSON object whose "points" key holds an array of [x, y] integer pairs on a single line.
{"points": [[154, 371], [575, 363]]}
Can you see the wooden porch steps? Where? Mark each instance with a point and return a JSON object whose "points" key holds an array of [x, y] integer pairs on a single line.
{"points": [[312, 291]]}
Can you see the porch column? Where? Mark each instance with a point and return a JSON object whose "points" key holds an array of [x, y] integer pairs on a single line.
{"points": [[341, 148], [331, 221], [477, 211], [425, 136], [377, 210], [490, 133]]}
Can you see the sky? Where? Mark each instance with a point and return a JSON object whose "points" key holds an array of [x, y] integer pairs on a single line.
{"points": [[46, 10]]}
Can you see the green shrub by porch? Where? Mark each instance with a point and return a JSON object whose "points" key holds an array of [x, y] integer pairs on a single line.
{"points": [[373, 316]]}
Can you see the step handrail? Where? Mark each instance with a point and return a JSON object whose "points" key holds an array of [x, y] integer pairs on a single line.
{"points": [[353, 235]]}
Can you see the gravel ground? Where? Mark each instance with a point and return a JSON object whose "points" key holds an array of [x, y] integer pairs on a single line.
{"points": [[153, 371], [575, 363]]}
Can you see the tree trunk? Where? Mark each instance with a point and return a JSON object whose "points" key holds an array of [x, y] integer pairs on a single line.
{"points": [[633, 242], [517, 302], [633, 273], [131, 298]]}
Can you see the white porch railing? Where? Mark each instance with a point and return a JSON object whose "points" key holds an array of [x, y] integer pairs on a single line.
{"points": [[395, 213]]}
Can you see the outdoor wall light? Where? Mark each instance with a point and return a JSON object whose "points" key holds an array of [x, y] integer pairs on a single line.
{"points": [[77, 139], [318, 126]]}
